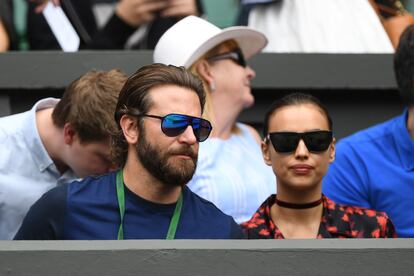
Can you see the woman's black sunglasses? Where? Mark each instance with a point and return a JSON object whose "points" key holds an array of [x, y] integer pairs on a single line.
{"points": [[174, 124], [236, 55], [287, 142]]}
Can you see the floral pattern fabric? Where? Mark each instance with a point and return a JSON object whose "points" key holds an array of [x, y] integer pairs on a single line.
{"points": [[338, 221]]}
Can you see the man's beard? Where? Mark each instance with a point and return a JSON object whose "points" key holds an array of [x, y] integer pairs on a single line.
{"points": [[170, 172]]}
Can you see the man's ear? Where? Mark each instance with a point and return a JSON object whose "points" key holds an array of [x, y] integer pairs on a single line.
{"points": [[266, 152], [332, 151], [69, 134], [129, 128], [203, 69]]}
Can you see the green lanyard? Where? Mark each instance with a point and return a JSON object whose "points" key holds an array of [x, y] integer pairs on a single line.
{"points": [[120, 193]]}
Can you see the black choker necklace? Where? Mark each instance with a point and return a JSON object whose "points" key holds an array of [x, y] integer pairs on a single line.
{"points": [[298, 205]]}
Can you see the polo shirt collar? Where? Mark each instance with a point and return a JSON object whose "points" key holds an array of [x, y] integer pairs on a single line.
{"points": [[32, 137], [403, 142]]}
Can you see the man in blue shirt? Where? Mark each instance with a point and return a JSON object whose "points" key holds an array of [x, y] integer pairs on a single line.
{"points": [[56, 142], [156, 145], [374, 168]]}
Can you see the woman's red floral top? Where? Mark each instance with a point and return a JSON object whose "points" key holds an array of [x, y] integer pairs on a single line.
{"points": [[338, 221]]}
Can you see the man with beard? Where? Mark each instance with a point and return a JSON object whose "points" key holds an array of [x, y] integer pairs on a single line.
{"points": [[159, 128]]}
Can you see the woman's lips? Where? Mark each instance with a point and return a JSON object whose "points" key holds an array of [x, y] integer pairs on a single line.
{"points": [[301, 169]]}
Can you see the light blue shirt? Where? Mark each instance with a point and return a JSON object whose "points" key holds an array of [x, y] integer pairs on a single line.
{"points": [[374, 168], [26, 169], [232, 174]]}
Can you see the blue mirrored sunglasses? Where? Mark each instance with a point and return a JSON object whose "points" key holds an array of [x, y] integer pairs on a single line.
{"points": [[175, 124], [236, 55]]}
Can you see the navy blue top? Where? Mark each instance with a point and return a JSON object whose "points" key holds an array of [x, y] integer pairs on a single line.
{"points": [[88, 210]]}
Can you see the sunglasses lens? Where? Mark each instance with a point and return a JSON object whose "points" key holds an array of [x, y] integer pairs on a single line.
{"points": [[318, 141], [315, 141], [236, 55], [202, 129], [174, 124], [240, 58], [284, 141]]}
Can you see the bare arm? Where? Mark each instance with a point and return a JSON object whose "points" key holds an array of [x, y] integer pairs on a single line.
{"points": [[396, 24], [41, 4], [4, 38]]}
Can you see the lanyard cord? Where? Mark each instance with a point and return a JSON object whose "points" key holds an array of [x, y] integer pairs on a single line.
{"points": [[120, 193]]}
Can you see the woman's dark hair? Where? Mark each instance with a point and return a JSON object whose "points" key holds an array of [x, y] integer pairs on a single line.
{"points": [[294, 99]]}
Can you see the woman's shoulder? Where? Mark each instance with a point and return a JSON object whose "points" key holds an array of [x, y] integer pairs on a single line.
{"points": [[248, 130], [365, 222]]}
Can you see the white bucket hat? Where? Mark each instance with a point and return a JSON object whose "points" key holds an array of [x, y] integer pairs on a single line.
{"points": [[190, 38]]}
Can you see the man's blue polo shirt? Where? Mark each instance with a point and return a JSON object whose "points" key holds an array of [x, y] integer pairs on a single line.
{"points": [[374, 168], [88, 210]]}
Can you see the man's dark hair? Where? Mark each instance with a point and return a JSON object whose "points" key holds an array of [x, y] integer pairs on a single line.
{"points": [[135, 96], [294, 99], [404, 65]]}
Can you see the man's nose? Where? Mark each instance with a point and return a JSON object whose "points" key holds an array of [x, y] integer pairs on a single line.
{"points": [[188, 136]]}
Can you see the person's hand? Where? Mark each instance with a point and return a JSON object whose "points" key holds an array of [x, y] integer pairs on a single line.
{"points": [[180, 8], [41, 4], [138, 12]]}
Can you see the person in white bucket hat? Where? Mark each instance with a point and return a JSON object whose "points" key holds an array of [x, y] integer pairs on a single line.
{"points": [[230, 170]]}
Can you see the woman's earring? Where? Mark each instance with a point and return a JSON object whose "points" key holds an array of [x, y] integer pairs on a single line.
{"points": [[212, 86]]}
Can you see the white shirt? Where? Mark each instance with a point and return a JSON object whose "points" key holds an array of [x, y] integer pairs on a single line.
{"points": [[321, 26], [26, 169], [232, 174]]}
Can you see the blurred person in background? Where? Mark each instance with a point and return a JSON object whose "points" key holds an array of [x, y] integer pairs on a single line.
{"points": [[394, 16], [8, 37], [327, 26], [230, 171], [136, 24], [4, 38]]}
